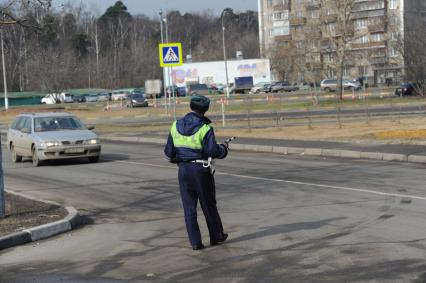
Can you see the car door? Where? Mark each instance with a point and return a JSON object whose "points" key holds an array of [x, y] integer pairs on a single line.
{"points": [[14, 132], [24, 140]]}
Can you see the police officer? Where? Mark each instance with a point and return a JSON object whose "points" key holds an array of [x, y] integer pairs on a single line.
{"points": [[192, 144]]}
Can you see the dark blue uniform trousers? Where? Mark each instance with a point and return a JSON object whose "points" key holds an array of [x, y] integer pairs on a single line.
{"points": [[197, 183]]}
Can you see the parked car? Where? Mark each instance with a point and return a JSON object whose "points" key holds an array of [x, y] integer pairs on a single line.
{"points": [[50, 98], [283, 86], [51, 135], [119, 95], [268, 87], [80, 98], [406, 88], [200, 89], [259, 87], [103, 96], [91, 98], [137, 100], [328, 85]]}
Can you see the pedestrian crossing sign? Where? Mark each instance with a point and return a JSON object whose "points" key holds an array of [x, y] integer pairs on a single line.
{"points": [[170, 54]]}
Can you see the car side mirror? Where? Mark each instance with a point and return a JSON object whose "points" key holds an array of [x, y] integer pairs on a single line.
{"points": [[91, 127], [25, 131]]}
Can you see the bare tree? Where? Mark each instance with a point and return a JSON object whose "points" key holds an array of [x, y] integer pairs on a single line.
{"points": [[338, 26]]}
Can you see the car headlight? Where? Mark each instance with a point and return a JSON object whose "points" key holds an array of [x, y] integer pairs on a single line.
{"points": [[50, 144], [134, 101], [92, 141]]}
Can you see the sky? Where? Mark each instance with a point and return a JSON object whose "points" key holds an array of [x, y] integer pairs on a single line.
{"points": [[152, 7]]}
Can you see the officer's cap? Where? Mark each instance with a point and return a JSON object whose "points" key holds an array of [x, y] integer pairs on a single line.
{"points": [[200, 103]]}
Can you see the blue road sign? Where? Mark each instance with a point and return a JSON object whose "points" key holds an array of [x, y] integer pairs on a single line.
{"points": [[170, 54]]}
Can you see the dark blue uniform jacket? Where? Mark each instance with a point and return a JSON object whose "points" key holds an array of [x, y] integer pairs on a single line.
{"points": [[188, 126]]}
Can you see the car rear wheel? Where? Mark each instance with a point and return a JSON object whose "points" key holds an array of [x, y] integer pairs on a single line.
{"points": [[327, 89], [94, 159], [15, 157], [36, 160]]}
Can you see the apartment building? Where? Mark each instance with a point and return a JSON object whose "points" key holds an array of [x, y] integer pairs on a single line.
{"points": [[315, 33]]}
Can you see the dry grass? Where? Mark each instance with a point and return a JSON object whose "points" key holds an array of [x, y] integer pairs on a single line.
{"points": [[406, 130], [409, 130]]}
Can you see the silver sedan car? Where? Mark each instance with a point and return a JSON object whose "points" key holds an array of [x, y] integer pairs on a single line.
{"points": [[51, 135]]}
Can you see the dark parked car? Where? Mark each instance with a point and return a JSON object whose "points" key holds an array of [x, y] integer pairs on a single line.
{"points": [[200, 89], [137, 100], [406, 89], [80, 98], [268, 87], [283, 86]]}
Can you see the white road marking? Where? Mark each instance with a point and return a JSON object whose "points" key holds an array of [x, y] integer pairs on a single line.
{"points": [[289, 182]]}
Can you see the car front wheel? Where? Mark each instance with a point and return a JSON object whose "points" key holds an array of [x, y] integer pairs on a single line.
{"points": [[15, 157], [36, 160]]}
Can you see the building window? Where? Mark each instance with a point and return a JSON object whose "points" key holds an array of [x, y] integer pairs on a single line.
{"points": [[375, 37], [392, 4], [363, 70], [392, 52], [278, 16], [315, 14], [269, 3], [363, 23]]}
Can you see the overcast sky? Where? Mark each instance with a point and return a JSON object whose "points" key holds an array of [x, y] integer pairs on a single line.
{"points": [[152, 7]]}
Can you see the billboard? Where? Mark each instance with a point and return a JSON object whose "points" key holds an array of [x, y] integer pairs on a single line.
{"points": [[213, 73]]}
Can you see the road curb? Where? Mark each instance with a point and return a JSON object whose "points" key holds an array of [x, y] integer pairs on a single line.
{"points": [[311, 151], [44, 231]]}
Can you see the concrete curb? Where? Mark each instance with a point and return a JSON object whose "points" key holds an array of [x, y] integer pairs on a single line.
{"points": [[341, 153], [71, 221]]}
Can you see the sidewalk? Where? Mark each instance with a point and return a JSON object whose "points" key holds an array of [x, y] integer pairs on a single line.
{"points": [[376, 151]]}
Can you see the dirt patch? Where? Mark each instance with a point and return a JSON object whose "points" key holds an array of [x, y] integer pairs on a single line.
{"points": [[23, 213]]}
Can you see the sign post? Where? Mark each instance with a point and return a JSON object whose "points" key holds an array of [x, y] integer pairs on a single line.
{"points": [[170, 56]]}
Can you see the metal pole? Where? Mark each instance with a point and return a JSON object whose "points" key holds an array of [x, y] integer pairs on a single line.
{"points": [[6, 101], [224, 55], [2, 200], [170, 71], [164, 73]]}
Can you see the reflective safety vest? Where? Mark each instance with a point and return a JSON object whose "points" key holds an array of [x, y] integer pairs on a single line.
{"points": [[194, 142]]}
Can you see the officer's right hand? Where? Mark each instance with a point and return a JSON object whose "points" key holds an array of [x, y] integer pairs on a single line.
{"points": [[225, 144]]}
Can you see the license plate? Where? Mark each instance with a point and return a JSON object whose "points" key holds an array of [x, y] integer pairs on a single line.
{"points": [[75, 150]]}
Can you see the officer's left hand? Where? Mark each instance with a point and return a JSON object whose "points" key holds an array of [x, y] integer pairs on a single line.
{"points": [[225, 144]]}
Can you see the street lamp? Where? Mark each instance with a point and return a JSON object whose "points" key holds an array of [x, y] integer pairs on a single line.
{"points": [[224, 52]]}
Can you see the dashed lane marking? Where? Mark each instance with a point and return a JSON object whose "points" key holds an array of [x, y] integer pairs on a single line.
{"points": [[289, 182]]}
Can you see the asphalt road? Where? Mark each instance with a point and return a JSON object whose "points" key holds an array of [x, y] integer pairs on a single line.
{"points": [[290, 219]]}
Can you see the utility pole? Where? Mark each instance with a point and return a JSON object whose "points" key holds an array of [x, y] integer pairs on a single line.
{"points": [[224, 53], [6, 101], [170, 75], [164, 74], [2, 200]]}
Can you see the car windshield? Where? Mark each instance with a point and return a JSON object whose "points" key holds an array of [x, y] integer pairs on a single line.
{"points": [[137, 96], [45, 124]]}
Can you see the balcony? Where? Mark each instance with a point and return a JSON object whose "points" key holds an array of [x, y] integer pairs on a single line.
{"points": [[314, 65], [281, 7], [282, 38], [330, 18], [377, 27], [299, 21], [368, 14], [368, 45], [313, 34], [378, 60]]}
